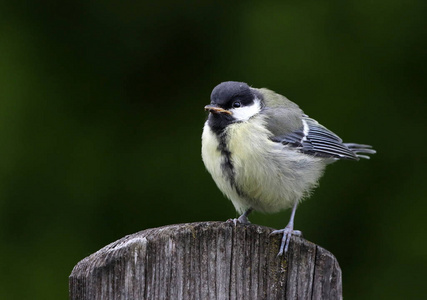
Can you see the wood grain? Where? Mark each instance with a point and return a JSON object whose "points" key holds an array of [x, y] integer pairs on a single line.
{"points": [[207, 260]]}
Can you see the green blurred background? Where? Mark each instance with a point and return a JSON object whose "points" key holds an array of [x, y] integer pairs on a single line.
{"points": [[101, 113]]}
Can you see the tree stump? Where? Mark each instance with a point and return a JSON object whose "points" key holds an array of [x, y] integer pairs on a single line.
{"points": [[207, 260]]}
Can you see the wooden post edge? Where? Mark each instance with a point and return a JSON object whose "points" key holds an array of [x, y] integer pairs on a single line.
{"points": [[206, 260]]}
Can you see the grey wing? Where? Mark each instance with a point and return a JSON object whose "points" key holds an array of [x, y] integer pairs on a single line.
{"points": [[314, 139]]}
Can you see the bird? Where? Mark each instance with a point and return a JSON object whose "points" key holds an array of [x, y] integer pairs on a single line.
{"points": [[265, 154]]}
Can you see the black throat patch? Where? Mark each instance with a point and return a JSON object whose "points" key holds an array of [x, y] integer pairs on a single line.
{"points": [[218, 123]]}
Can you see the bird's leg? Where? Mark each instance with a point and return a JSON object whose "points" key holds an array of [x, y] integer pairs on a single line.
{"points": [[243, 219], [287, 232]]}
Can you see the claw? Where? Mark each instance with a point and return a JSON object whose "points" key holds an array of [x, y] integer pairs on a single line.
{"points": [[287, 234], [243, 219], [234, 221]]}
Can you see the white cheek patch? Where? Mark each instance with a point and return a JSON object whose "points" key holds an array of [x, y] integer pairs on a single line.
{"points": [[246, 112]]}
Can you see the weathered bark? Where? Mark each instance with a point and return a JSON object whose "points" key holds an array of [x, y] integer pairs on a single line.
{"points": [[208, 260]]}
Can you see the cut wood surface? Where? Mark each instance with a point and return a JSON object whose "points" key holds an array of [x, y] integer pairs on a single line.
{"points": [[207, 260]]}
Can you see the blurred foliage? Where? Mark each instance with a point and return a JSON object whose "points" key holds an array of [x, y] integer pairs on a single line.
{"points": [[101, 112]]}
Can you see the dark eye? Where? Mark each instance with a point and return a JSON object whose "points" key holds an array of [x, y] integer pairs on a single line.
{"points": [[237, 104]]}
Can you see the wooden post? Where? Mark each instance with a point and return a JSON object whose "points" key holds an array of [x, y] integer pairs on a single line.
{"points": [[208, 260]]}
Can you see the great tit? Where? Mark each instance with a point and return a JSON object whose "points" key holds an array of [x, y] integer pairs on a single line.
{"points": [[264, 153]]}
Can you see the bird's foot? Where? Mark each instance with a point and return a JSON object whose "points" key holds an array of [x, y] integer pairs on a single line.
{"points": [[287, 232], [243, 219]]}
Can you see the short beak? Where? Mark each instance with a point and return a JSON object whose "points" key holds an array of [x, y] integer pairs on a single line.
{"points": [[217, 110]]}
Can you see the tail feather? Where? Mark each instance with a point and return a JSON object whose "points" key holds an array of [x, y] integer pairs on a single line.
{"points": [[360, 148]]}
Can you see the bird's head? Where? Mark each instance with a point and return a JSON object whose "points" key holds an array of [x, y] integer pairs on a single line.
{"points": [[232, 102]]}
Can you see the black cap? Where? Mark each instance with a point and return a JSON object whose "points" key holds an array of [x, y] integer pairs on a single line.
{"points": [[226, 92]]}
